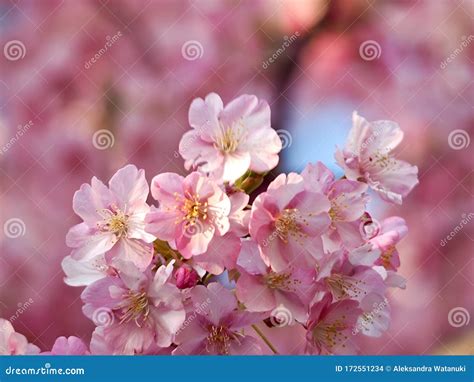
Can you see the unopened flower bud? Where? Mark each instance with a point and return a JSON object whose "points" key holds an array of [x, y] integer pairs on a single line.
{"points": [[186, 277]]}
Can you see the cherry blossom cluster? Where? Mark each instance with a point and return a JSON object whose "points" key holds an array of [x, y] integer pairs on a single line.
{"points": [[198, 269]]}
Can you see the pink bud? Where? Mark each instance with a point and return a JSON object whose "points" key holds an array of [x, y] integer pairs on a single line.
{"points": [[186, 277]]}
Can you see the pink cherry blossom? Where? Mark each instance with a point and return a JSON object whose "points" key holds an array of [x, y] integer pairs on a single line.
{"points": [[348, 203], [392, 230], [331, 325], [114, 219], [68, 346], [368, 156], [375, 318], [100, 345], [227, 141], [191, 212], [262, 290], [304, 254], [13, 343], [136, 309], [348, 281], [223, 251], [215, 326], [287, 221], [239, 216]]}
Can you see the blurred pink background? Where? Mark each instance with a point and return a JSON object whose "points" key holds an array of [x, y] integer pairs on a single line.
{"points": [[408, 61]]}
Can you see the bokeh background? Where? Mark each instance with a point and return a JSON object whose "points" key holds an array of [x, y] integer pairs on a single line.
{"points": [[65, 118]]}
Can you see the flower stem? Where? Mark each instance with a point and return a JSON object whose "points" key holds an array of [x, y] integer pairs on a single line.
{"points": [[264, 338]]}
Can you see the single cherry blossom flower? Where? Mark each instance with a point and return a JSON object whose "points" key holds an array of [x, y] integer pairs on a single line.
{"points": [[347, 281], [191, 212], [13, 343], [68, 346], [216, 326], [287, 221], [331, 326], [114, 219], [392, 230], [348, 200], [262, 290], [136, 309], [227, 141], [222, 251], [368, 156]]}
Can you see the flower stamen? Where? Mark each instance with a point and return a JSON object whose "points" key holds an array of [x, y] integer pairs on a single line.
{"points": [[135, 307], [220, 338]]}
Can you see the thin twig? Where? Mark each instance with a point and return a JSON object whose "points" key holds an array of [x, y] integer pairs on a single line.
{"points": [[265, 339]]}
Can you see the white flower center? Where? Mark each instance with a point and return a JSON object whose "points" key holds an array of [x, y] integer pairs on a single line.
{"points": [[115, 221], [228, 139]]}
